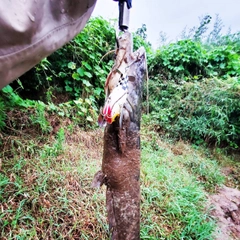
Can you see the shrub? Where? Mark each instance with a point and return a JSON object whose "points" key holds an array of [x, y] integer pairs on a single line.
{"points": [[223, 61], [75, 70], [204, 111], [180, 60]]}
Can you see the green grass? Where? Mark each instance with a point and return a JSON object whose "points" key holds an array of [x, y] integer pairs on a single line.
{"points": [[45, 188], [48, 195], [173, 199]]}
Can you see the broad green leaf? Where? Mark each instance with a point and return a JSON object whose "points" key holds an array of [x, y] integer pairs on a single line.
{"points": [[222, 65], [83, 109], [88, 74], [61, 114], [72, 65], [87, 83], [75, 76], [85, 64], [79, 101], [98, 91], [89, 118], [80, 71], [62, 74], [68, 89], [88, 101]]}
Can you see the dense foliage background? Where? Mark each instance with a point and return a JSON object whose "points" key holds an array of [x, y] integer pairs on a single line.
{"points": [[51, 145], [194, 83]]}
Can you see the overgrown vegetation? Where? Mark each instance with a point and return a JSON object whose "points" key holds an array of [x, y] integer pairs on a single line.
{"points": [[203, 112], [45, 187], [48, 159], [196, 87]]}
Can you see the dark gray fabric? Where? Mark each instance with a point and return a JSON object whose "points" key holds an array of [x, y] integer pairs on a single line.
{"points": [[32, 29]]}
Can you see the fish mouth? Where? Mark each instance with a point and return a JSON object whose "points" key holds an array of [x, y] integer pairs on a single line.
{"points": [[108, 114]]}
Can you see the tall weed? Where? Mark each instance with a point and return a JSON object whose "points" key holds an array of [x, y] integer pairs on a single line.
{"points": [[204, 111]]}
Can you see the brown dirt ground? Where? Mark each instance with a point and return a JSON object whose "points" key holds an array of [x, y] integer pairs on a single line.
{"points": [[226, 210]]}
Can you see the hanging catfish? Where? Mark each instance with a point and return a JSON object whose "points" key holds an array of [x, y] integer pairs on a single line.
{"points": [[116, 86], [121, 115]]}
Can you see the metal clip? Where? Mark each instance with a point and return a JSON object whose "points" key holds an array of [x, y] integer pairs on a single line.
{"points": [[124, 12]]}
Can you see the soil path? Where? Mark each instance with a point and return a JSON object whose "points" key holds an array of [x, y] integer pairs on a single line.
{"points": [[226, 211]]}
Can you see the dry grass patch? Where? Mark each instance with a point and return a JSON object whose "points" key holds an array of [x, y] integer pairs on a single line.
{"points": [[47, 195]]}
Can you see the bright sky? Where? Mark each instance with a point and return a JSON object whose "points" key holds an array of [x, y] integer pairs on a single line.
{"points": [[171, 16]]}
